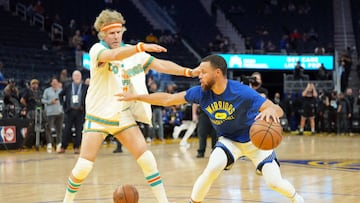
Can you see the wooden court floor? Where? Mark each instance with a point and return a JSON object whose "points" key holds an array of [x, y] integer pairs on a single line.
{"points": [[324, 169]]}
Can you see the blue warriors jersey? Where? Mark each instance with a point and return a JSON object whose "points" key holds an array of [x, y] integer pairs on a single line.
{"points": [[232, 112]]}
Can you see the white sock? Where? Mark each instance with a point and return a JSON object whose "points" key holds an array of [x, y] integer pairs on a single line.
{"points": [[80, 171], [148, 165]]}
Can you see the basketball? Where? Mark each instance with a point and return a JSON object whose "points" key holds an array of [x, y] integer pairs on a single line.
{"points": [[126, 194], [265, 135]]}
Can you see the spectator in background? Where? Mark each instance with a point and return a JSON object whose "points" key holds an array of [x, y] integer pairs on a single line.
{"points": [[308, 107], [31, 100], [343, 114], [350, 99], [11, 100], [87, 81], [72, 98], [64, 78], [77, 40], [204, 129], [257, 84], [157, 117], [172, 117], [321, 111], [322, 74], [3, 82], [331, 104], [298, 71], [277, 99], [358, 103], [289, 111], [72, 27], [313, 35], [319, 50], [346, 63], [187, 124], [151, 38], [54, 113], [284, 44], [30, 10], [295, 39], [341, 75], [38, 8], [118, 148], [270, 47], [358, 68], [170, 88]]}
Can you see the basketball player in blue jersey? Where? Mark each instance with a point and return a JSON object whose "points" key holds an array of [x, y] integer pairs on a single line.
{"points": [[232, 108]]}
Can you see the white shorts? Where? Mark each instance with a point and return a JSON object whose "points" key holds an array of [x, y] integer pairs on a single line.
{"points": [[236, 150], [113, 126]]}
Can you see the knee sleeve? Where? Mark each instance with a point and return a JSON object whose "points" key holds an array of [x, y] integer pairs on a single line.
{"points": [[147, 162], [217, 162], [229, 156], [82, 168]]}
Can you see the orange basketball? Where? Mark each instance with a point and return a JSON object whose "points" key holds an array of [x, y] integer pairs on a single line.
{"points": [[265, 135], [126, 194]]}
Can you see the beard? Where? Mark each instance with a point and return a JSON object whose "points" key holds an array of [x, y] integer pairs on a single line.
{"points": [[208, 86]]}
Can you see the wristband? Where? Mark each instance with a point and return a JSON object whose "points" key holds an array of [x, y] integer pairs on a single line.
{"points": [[187, 72], [140, 47]]}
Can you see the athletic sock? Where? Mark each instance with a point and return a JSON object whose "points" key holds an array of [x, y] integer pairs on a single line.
{"points": [[71, 189], [80, 171], [148, 165]]}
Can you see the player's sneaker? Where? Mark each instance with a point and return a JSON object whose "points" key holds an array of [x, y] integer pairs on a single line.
{"points": [[298, 199], [184, 144], [58, 147], [49, 148]]}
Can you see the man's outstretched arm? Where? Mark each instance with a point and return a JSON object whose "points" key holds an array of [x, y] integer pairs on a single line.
{"points": [[158, 98]]}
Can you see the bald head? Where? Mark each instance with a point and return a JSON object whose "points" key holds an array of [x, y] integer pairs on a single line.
{"points": [[76, 77]]}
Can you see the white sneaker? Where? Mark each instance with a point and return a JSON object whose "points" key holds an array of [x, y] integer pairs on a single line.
{"points": [[49, 148], [176, 132], [184, 144], [58, 147], [298, 199], [148, 139]]}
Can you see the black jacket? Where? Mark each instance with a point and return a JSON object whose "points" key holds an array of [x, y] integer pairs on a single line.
{"points": [[66, 94]]}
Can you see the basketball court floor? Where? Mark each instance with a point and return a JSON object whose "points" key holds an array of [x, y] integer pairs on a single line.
{"points": [[324, 169]]}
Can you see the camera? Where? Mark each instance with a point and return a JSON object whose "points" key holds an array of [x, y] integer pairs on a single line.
{"points": [[249, 80], [12, 81]]}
